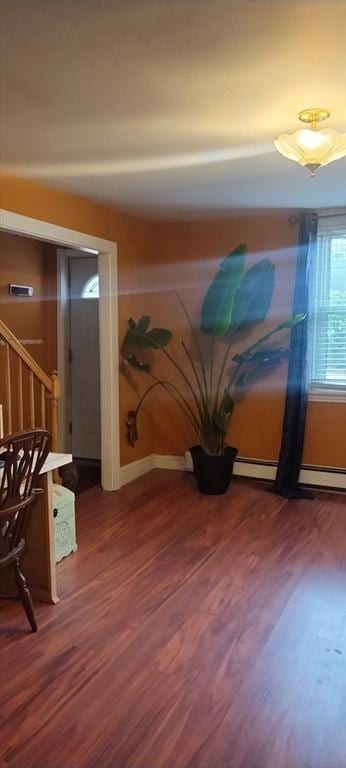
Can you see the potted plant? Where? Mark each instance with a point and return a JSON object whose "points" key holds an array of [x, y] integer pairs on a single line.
{"points": [[237, 299]]}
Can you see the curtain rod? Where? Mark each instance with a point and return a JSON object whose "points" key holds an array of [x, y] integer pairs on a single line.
{"points": [[294, 218], [331, 215]]}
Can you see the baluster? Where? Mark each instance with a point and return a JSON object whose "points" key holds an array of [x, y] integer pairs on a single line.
{"points": [[20, 394], [8, 389], [55, 394], [32, 399], [43, 406]]}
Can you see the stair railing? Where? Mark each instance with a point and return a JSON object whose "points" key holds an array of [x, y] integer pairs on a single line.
{"points": [[29, 396]]}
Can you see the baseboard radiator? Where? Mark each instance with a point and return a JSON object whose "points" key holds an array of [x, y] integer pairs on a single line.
{"points": [[333, 478]]}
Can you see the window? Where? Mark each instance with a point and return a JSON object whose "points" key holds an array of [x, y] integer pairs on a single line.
{"points": [[91, 289], [328, 307]]}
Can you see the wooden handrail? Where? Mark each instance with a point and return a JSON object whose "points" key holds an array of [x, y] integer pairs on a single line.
{"points": [[18, 348], [49, 387]]}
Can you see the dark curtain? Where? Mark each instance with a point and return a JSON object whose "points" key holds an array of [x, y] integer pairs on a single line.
{"points": [[292, 443]]}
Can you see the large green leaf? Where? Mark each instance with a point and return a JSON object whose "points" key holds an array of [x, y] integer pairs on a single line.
{"points": [[264, 360], [218, 303], [136, 362], [227, 403], [249, 353], [143, 324], [138, 336], [131, 427], [254, 295], [268, 356], [221, 417], [220, 422]]}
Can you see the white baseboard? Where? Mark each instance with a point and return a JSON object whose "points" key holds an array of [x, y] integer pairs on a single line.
{"points": [[173, 462], [137, 468], [242, 468], [325, 477], [255, 469]]}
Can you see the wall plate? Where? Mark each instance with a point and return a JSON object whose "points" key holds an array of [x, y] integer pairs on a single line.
{"points": [[20, 290]]}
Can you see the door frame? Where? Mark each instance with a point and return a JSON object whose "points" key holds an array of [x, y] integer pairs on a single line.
{"points": [[106, 250]]}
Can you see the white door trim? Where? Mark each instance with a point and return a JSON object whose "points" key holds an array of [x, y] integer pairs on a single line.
{"points": [[108, 313], [63, 344]]}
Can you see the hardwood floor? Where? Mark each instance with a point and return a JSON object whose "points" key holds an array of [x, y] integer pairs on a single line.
{"points": [[192, 632]]}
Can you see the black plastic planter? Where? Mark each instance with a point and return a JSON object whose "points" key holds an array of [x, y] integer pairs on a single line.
{"points": [[213, 473]]}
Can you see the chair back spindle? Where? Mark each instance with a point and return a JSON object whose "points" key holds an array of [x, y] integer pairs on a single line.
{"points": [[22, 457]]}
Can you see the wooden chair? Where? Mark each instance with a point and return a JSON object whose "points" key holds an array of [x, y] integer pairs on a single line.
{"points": [[22, 457]]}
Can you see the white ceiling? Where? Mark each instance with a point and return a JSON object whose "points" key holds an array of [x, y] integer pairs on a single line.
{"points": [[169, 108]]}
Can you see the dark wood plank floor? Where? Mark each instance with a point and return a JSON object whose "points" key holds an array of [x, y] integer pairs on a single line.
{"points": [[197, 632]]}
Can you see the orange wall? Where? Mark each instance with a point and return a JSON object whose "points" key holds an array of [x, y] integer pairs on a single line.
{"points": [[189, 255], [325, 436], [135, 240], [153, 259], [30, 262]]}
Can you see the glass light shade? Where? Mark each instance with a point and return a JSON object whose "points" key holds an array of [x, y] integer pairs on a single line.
{"points": [[312, 148]]}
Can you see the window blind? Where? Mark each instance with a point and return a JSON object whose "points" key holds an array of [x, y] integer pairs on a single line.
{"points": [[328, 305]]}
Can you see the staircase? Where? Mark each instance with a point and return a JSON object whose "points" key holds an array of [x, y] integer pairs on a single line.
{"points": [[29, 396]]}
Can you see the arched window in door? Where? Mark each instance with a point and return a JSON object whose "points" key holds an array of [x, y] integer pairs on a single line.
{"points": [[91, 289]]}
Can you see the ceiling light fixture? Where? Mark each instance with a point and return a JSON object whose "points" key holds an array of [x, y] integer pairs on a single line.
{"points": [[311, 146]]}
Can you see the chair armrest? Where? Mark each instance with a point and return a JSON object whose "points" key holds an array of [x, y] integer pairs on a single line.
{"points": [[7, 511]]}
